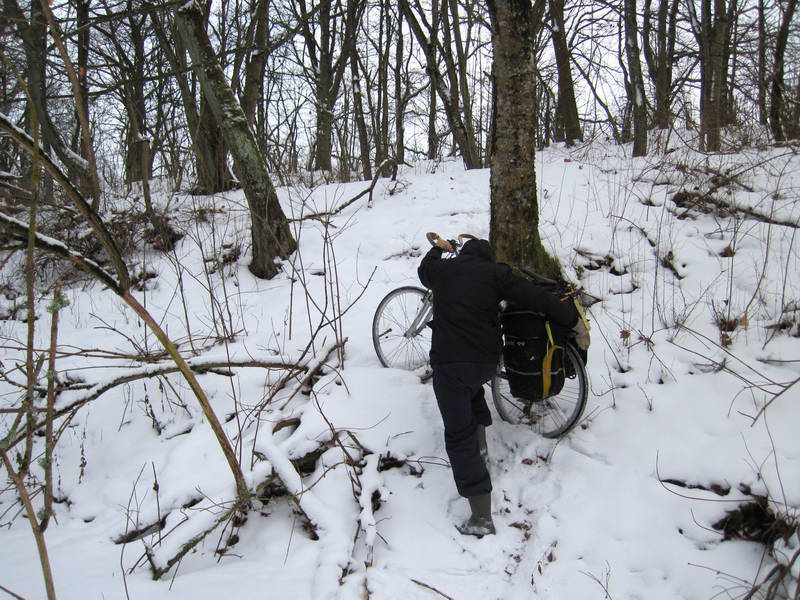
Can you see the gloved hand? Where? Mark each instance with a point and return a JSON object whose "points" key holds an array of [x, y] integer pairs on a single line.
{"points": [[442, 243], [582, 338]]}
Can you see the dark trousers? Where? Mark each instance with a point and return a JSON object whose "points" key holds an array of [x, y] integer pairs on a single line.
{"points": [[459, 393]]}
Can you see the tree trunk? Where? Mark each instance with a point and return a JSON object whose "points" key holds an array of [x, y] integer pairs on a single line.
{"points": [[433, 139], [211, 166], [361, 125], [514, 219], [256, 63], [324, 115], [399, 100], [637, 98], [711, 31], [135, 168], [659, 59], [762, 64], [776, 90], [205, 162], [381, 117], [567, 112], [89, 185], [271, 235]]}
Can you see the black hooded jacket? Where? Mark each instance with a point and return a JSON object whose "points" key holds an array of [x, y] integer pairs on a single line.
{"points": [[467, 291]]}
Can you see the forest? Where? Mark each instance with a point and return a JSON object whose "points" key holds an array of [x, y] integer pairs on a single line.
{"points": [[202, 204]]}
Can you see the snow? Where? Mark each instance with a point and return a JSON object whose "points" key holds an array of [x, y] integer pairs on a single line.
{"points": [[594, 509]]}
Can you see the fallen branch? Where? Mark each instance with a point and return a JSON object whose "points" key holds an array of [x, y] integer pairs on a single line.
{"points": [[94, 391], [326, 215]]}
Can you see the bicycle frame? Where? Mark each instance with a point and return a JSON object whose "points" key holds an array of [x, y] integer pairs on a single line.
{"points": [[422, 318]]}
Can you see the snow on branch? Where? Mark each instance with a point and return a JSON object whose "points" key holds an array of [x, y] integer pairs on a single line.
{"points": [[19, 231]]}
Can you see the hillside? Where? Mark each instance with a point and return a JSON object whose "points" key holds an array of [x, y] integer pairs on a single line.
{"points": [[696, 264]]}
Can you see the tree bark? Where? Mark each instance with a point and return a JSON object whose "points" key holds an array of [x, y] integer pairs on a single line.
{"points": [[514, 219], [135, 168], [567, 111], [399, 100], [205, 161], [433, 139], [637, 99], [256, 63], [711, 31], [659, 59], [777, 85], [763, 115], [271, 235], [361, 124]]}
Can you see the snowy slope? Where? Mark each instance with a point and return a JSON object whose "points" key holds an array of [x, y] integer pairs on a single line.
{"points": [[589, 516]]}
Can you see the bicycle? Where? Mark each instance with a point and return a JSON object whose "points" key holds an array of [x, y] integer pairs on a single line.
{"points": [[401, 335]]}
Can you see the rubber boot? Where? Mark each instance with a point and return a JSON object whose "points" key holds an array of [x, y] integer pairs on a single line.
{"points": [[484, 449], [480, 523]]}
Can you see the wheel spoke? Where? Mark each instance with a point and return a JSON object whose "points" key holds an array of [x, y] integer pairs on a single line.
{"points": [[552, 417]]}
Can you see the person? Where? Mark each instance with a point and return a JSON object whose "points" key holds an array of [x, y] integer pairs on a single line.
{"points": [[465, 347]]}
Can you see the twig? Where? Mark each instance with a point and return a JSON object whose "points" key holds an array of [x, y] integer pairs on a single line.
{"points": [[431, 588], [10, 593]]}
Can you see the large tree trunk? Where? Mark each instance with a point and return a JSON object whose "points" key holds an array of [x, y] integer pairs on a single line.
{"points": [[567, 113], [514, 221], [271, 235], [636, 80]]}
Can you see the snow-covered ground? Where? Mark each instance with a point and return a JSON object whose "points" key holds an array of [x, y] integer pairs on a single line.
{"points": [[622, 507]]}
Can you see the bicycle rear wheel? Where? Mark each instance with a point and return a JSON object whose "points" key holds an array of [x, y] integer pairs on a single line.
{"points": [[395, 344], [554, 416]]}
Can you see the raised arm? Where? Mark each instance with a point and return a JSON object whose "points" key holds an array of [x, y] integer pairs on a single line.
{"points": [[430, 263], [528, 296]]}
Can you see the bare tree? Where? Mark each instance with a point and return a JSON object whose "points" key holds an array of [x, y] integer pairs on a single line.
{"points": [[423, 31], [33, 33], [271, 235], [327, 67]]}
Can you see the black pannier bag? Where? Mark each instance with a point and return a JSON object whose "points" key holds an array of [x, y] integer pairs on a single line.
{"points": [[533, 354]]}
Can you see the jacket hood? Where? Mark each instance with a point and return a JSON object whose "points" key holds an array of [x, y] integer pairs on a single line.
{"points": [[479, 248]]}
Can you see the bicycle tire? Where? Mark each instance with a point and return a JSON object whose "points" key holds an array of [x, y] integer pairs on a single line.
{"points": [[394, 315], [554, 416]]}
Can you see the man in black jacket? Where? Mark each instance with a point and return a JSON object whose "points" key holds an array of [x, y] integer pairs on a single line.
{"points": [[465, 348]]}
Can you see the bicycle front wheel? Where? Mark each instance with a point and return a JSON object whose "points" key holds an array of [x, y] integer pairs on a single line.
{"points": [[554, 416], [398, 343]]}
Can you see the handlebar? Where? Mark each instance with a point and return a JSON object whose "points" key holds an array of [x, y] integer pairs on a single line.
{"points": [[460, 240]]}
